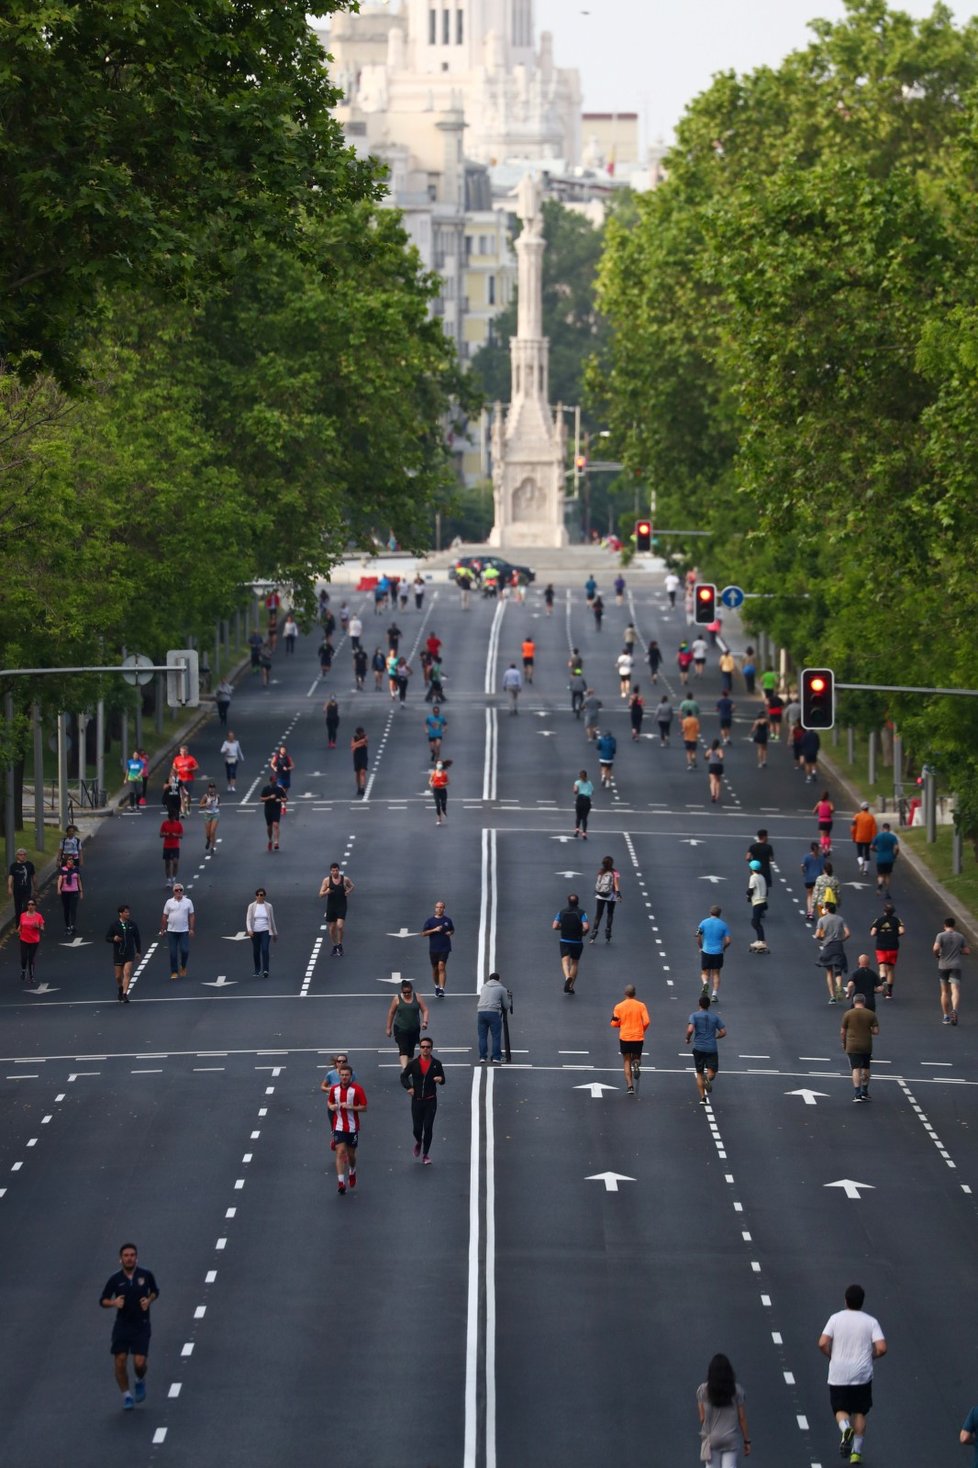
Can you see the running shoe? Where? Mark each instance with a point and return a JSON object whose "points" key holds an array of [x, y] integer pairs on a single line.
{"points": [[427, 1161], [353, 1179], [946, 1020], [954, 1016], [341, 1188], [845, 1445], [439, 991], [855, 1457], [417, 1149], [139, 1391], [127, 1402]]}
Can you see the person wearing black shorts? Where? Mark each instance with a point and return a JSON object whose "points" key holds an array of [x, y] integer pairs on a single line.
{"points": [[703, 1030], [406, 1018], [572, 925], [853, 1341], [336, 888], [438, 930], [272, 799], [130, 1293]]}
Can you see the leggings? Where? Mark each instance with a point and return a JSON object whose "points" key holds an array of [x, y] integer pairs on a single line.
{"points": [[582, 809], [28, 956], [441, 800], [600, 905], [423, 1120], [69, 906]]}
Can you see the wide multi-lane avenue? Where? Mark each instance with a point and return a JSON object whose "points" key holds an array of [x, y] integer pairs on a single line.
{"points": [[553, 1286]]}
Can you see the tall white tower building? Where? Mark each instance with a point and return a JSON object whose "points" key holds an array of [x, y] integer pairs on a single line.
{"points": [[528, 443]]}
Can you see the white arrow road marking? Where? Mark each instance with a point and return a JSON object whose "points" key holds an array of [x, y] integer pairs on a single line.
{"points": [[714, 880], [404, 933], [568, 875], [691, 841], [850, 1186], [610, 1180], [76, 943], [858, 885], [547, 733], [808, 1095], [395, 978], [221, 982], [596, 1087], [563, 838], [41, 989], [235, 937]]}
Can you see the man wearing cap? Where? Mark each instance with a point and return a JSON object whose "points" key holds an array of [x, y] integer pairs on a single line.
{"points": [[179, 925], [887, 930], [21, 882], [863, 832]]}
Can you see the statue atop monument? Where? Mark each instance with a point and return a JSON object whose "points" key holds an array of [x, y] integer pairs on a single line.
{"points": [[529, 196]]}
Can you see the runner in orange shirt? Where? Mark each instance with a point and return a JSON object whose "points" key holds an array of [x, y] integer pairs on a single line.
{"points": [[529, 653], [631, 1019], [185, 768]]}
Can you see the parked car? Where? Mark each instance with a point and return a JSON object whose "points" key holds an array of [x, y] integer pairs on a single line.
{"points": [[506, 568]]}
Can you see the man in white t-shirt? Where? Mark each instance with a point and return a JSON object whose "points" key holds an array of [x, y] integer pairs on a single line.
{"points": [[672, 586], [852, 1340], [625, 664], [179, 924], [698, 649]]}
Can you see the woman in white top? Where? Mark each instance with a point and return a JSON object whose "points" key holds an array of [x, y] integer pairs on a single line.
{"points": [[210, 809], [261, 929]]}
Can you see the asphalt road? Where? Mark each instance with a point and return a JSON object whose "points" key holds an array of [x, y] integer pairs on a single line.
{"points": [[554, 1285]]}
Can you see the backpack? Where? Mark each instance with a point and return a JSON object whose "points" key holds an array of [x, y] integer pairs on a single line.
{"points": [[605, 884], [830, 895]]}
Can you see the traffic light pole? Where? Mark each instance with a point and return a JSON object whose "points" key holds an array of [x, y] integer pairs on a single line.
{"points": [[906, 688]]}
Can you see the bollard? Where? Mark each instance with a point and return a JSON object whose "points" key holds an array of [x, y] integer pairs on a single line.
{"points": [[872, 757], [851, 745], [957, 850]]}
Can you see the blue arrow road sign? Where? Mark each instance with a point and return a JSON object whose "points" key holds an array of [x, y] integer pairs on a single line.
{"points": [[732, 597]]}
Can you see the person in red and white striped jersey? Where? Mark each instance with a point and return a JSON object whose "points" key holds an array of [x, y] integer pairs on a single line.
{"points": [[345, 1100]]}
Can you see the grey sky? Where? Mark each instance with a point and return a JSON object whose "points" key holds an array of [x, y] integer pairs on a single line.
{"points": [[654, 56]]}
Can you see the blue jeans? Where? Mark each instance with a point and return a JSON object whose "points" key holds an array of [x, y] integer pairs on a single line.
{"points": [[490, 1022], [179, 949], [260, 944]]}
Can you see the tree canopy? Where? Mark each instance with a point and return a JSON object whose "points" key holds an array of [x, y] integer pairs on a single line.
{"points": [[793, 359], [218, 362]]}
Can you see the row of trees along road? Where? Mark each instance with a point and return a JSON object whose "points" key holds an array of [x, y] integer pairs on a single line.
{"points": [[216, 360], [794, 360]]}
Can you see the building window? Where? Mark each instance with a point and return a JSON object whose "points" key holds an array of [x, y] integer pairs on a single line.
{"points": [[446, 27], [432, 27], [459, 26], [491, 289]]}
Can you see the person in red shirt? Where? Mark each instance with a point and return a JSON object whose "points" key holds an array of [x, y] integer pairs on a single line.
{"points": [[433, 645], [185, 768], [30, 928], [345, 1101], [421, 1078], [171, 832]]}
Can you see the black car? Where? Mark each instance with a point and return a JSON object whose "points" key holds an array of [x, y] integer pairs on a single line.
{"points": [[505, 568]]}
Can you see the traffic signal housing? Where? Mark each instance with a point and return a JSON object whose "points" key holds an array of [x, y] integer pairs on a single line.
{"points": [[643, 535], [704, 603], [817, 698]]}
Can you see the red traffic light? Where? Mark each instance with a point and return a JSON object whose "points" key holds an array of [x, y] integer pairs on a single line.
{"points": [[705, 608], [817, 698], [643, 535]]}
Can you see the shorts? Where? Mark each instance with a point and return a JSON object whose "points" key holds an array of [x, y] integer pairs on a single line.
{"points": [[709, 962], [130, 1339], [706, 1060], [949, 975], [335, 911], [860, 1059], [825, 826], [528, 662], [170, 853], [605, 764], [571, 950], [359, 760], [349, 1139], [700, 662], [406, 1040], [884, 868], [862, 850], [272, 818], [631, 1047], [888, 956], [852, 1398], [712, 769], [690, 744], [436, 959]]}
